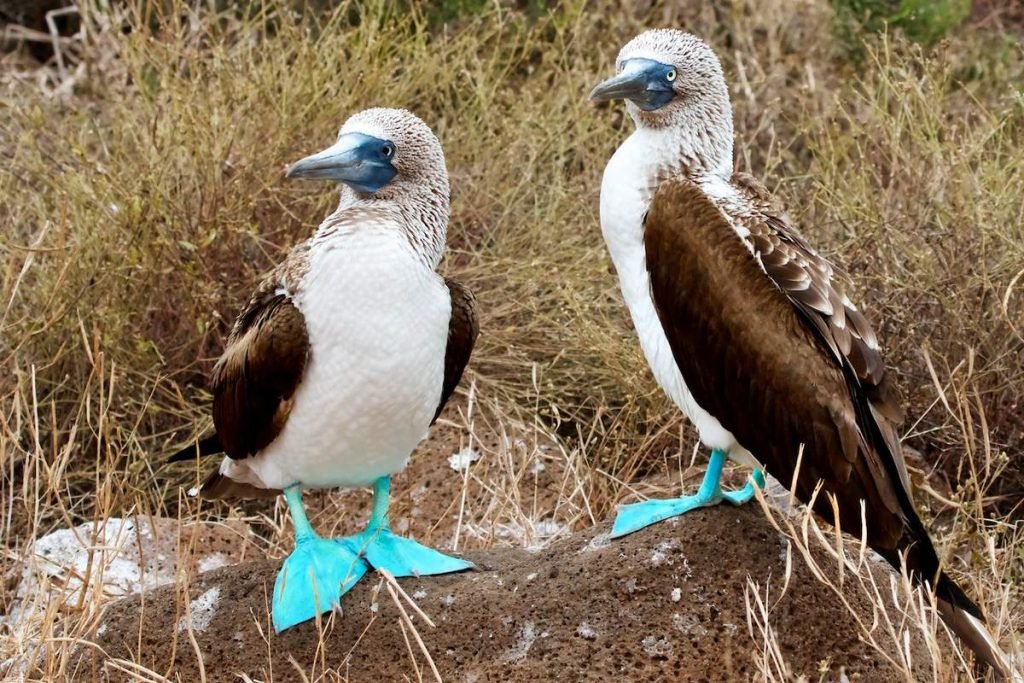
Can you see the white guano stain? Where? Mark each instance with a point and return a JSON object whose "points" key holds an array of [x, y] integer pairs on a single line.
{"points": [[527, 637], [202, 610], [461, 461], [214, 561]]}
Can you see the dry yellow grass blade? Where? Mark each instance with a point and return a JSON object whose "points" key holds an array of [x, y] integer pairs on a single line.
{"points": [[141, 197]]}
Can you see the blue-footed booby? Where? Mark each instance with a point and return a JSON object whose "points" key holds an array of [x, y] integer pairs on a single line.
{"points": [[344, 356], [746, 327]]}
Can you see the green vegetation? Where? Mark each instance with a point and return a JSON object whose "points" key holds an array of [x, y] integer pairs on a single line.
{"points": [[924, 21]]}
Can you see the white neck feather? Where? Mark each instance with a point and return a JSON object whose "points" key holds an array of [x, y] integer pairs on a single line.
{"points": [[693, 138], [631, 178], [420, 212]]}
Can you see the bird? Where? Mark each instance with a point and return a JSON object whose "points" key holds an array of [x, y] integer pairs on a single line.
{"points": [[748, 329], [344, 356]]}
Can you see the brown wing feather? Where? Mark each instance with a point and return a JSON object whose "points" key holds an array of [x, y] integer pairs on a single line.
{"points": [[818, 290], [769, 363], [765, 365], [463, 329], [816, 287], [254, 382]]}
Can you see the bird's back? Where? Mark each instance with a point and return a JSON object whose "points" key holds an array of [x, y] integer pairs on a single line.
{"points": [[751, 359]]}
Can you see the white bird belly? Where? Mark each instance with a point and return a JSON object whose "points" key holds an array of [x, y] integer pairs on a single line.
{"points": [[625, 198], [377, 319]]}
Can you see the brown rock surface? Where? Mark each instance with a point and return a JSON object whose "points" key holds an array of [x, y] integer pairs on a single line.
{"points": [[667, 603]]}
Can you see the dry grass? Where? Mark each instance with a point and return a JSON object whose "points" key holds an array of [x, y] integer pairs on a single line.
{"points": [[141, 196]]}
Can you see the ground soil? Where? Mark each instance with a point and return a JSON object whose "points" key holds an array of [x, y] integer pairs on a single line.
{"points": [[667, 603]]}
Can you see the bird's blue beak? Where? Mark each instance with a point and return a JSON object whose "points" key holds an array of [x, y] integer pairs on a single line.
{"points": [[645, 82], [362, 162]]}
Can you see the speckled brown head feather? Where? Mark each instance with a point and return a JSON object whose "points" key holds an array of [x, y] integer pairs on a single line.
{"points": [[701, 109], [418, 196]]}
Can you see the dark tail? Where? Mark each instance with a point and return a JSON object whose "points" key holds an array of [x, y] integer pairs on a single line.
{"points": [[217, 487], [949, 592], [961, 614], [208, 445], [969, 625]]}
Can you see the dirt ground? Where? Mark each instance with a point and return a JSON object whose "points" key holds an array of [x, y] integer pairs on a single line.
{"points": [[667, 603]]}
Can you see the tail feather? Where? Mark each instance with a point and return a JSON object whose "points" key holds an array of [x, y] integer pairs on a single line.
{"points": [[961, 614], [208, 445], [950, 592], [218, 486], [972, 631]]}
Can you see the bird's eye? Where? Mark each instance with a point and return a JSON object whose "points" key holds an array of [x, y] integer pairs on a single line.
{"points": [[388, 150], [671, 75]]}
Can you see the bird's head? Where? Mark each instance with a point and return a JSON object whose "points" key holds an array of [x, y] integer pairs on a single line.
{"points": [[381, 153], [390, 159], [672, 81], [662, 71]]}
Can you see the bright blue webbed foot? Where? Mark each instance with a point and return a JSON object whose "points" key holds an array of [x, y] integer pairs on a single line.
{"points": [[316, 574], [636, 516], [741, 496], [400, 556], [313, 579], [382, 549]]}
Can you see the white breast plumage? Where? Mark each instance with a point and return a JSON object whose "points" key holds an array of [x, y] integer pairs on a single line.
{"points": [[377, 318]]}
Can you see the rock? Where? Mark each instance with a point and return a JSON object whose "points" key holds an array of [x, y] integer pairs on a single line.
{"points": [[666, 603], [119, 557]]}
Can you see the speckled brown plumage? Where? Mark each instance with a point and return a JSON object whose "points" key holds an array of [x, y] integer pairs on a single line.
{"points": [[768, 360], [814, 286]]}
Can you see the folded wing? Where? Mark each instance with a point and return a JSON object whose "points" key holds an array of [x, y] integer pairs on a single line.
{"points": [[254, 382], [770, 345], [463, 329]]}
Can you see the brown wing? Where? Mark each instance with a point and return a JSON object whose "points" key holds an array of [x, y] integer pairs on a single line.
{"points": [[764, 355], [463, 329], [818, 291], [254, 382], [812, 284]]}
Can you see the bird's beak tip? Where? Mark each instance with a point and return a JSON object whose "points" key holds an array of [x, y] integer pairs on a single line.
{"points": [[615, 88], [300, 169]]}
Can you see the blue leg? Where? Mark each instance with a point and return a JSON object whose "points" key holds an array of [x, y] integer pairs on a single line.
{"points": [[315, 576], [639, 515], [400, 556]]}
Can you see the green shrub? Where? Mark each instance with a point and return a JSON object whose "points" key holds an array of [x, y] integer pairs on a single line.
{"points": [[923, 21]]}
